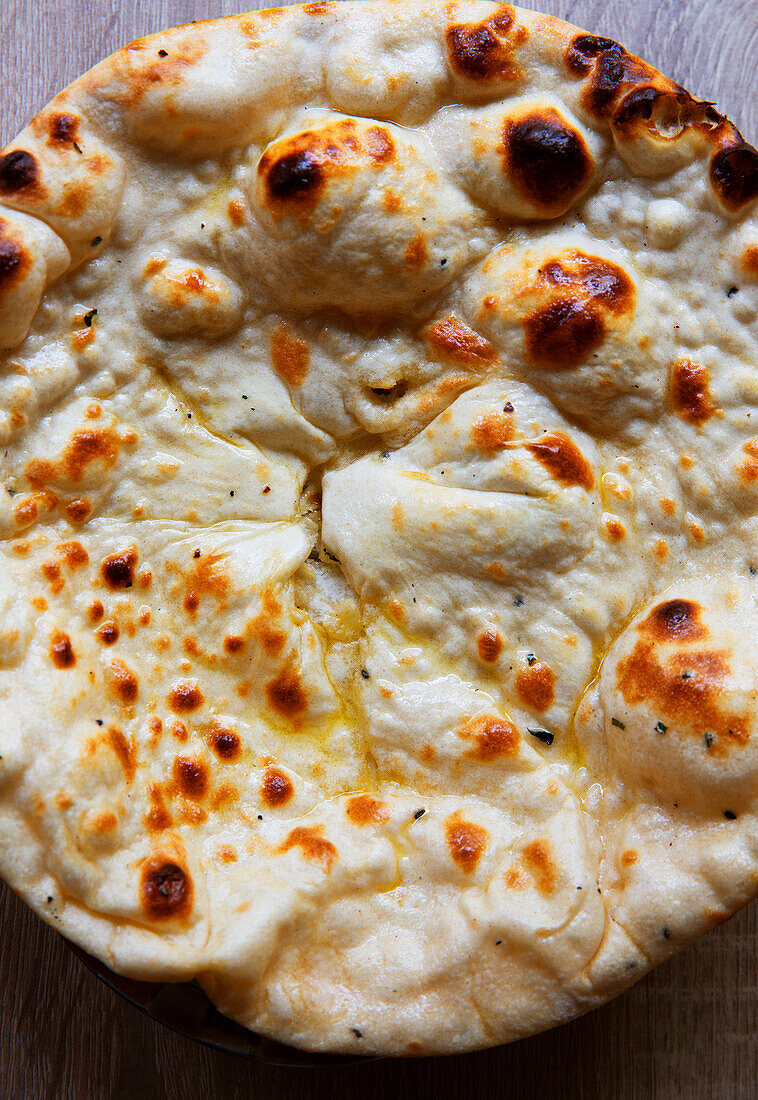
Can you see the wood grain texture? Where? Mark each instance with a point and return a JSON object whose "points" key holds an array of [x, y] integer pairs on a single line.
{"points": [[687, 1031]]}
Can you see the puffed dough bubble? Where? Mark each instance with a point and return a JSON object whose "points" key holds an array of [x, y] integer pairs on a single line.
{"points": [[31, 257], [352, 213], [679, 693], [577, 321], [484, 47], [387, 64], [182, 298], [666, 222], [531, 159], [657, 131], [58, 170]]}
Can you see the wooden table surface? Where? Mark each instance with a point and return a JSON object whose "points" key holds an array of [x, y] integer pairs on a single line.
{"points": [[686, 1031]]}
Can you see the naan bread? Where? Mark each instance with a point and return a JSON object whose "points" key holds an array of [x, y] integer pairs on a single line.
{"points": [[378, 617]]}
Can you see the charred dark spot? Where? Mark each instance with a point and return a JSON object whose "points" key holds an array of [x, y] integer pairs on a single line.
{"points": [[563, 459], [674, 621], [610, 73], [586, 48], [662, 109], [611, 67], [64, 129], [294, 176], [18, 170], [107, 633], [286, 694], [690, 392], [117, 570], [598, 280], [636, 106], [225, 743], [13, 262], [295, 170], [124, 683], [61, 652], [191, 777], [185, 696], [734, 175], [166, 889], [563, 333], [276, 788], [546, 159], [472, 49], [483, 51]]}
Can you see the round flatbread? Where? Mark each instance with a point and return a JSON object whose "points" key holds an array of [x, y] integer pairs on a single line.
{"points": [[378, 586]]}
